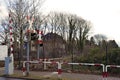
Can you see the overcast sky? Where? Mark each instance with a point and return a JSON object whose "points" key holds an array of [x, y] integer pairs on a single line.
{"points": [[104, 14]]}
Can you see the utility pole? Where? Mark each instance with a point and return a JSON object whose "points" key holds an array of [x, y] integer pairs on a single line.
{"points": [[106, 51]]}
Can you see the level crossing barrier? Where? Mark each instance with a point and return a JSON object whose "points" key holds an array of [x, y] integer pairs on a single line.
{"points": [[39, 62], [110, 66], [59, 64], [90, 64]]}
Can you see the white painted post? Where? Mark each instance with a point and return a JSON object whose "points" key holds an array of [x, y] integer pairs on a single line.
{"points": [[45, 66], [24, 69], [104, 72], [59, 70], [110, 66]]}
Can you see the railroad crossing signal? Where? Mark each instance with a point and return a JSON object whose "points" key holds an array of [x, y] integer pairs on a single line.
{"points": [[34, 36], [40, 35]]}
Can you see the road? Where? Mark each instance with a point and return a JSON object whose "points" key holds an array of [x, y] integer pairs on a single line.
{"points": [[73, 76], [68, 76], [2, 78]]}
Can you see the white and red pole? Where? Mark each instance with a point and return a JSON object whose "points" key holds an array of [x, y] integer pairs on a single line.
{"points": [[11, 43], [110, 66], [11, 35], [90, 64], [24, 69], [59, 69], [39, 62]]}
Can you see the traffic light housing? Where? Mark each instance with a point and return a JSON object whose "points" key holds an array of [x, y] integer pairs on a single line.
{"points": [[34, 36], [41, 44]]}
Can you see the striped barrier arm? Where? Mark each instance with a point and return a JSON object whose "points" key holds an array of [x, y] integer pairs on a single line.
{"points": [[86, 64], [104, 74], [38, 62], [111, 66]]}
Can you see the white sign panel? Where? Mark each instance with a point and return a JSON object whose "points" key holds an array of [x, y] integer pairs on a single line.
{"points": [[3, 52]]}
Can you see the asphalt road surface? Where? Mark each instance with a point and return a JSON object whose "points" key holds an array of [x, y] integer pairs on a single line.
{"points": [[74, 76], [68, 76], [2, 78]]}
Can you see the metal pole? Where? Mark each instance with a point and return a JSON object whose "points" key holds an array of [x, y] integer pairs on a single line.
{"points": [[106, 53], [72, 60], [28, 51], [39, 42], [38, 52], [29, 42]]}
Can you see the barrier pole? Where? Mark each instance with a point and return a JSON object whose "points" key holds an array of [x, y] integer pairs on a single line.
{"points": [[106, 71], [110, 66], [11, 44], [45, 66], [104, 74], [24, 69], [90, 64], [39, 38], [59, 70], [29, 41]]}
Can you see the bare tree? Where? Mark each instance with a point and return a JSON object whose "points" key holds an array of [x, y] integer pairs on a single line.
{"points": [[57, 23], [54, 22], [92, 41], [99, 38], [72, 20], [19, 10], [83, 32], [63, 25], [71, 23], [4, 32]]}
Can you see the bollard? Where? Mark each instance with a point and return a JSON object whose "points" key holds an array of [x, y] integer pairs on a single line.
{"points": [[45, 67], [24, 69], [110, 66], [105, 75], [59, 70]]}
